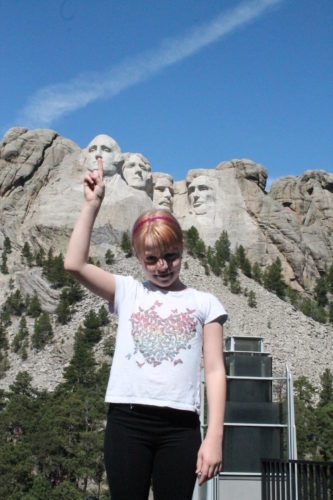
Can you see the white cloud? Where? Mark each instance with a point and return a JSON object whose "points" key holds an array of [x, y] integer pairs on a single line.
{"points": [[52, 102]]}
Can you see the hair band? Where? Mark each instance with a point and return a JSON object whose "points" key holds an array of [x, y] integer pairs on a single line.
{"points": [[151, 219]]}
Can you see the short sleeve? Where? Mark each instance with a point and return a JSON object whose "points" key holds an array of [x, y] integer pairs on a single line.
{"points": [[125, 287], [213, 309]]}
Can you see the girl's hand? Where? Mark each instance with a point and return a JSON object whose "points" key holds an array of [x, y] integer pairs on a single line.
{"points": [[94, 186], [209, 462]]}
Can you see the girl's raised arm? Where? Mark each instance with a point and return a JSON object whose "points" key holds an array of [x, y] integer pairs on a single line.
{"points": [[98, 281]]}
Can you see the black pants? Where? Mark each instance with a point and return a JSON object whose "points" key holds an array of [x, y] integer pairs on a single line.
{"points": [[144, 443]]}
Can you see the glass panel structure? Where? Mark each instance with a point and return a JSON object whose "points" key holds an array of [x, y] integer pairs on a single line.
{"points": [[248, 364], [244, 447], [253, 344], [249, 391], [256, 413]]}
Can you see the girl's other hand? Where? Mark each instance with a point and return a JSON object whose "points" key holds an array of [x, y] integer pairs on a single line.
{"points": [[209, 462], [94, 186]]}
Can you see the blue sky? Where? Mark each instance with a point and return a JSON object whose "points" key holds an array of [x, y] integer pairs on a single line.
{"points": [[188, 83]]}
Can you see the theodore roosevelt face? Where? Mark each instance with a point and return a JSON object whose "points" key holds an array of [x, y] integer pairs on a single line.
{"points": [[163, 192], [201, 193]]}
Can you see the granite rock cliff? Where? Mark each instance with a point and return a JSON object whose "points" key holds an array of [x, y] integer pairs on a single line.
{"points": [[41, 194]]}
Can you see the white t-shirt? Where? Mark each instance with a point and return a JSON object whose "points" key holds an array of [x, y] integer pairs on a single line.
{"points": [[159, 344]]}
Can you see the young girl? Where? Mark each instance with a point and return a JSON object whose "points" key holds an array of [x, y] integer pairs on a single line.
{"points": [[153, 429]]}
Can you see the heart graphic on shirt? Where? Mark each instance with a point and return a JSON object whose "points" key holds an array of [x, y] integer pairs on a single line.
{"points": [[161, 339]]}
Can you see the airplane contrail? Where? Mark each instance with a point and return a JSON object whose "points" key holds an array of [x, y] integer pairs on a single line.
{"points": [[53, 101]]}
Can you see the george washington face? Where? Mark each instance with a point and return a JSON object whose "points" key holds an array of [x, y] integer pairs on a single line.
{"points": [[103, 146]]}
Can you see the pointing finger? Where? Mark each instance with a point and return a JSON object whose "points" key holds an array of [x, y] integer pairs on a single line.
{"points": [[100, 167]]}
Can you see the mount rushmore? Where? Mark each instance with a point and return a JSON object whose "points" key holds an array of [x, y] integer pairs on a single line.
{"points": [[41, 194]]}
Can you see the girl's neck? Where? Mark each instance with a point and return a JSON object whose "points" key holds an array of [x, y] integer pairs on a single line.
{"points": [[177, 286]]}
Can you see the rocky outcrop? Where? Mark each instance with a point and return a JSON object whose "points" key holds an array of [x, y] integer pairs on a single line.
{"points": [[307, 201], [41, 195]]}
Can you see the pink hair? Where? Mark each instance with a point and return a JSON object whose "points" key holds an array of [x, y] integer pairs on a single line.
{"points": [[160, 227]]}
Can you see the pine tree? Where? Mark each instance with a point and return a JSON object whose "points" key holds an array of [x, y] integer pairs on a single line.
{"points": [[3, 267], [57, 274], [4, 363], [257, 273], [292, 296], [72, 293], [27, 254], [305, 417], [231, 270], [103, 316], [200, 249], [307, 307], [235, 287], [22, 385], [326, 393], [252, 300], [48, 263], [5, 318], [240, 254], [40, 257], [22, 334], [7, 245], [320, 291], [222, 249], [324, 431], [43, 332], [330, 279], [319, 314], [109, 257], [15, 303], [81, 370], [41, 489], [273, 280], [63, 311], [191, 238], [92, 328], [109, 345], [34, 308], [3, 337], [126, 245], [243, 261]]}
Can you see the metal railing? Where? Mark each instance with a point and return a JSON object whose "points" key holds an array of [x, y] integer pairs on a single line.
{"points": [[296, 480]]}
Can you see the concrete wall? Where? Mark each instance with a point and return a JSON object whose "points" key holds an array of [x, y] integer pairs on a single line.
{"points": [[239, 487]]}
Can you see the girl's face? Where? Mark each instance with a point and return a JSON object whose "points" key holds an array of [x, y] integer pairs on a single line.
{"points": [[162, 269]]}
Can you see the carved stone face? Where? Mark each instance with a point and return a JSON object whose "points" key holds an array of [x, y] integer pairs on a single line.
{"points": [[163, 192], [105, 147], [201, 193], [137, 171]]}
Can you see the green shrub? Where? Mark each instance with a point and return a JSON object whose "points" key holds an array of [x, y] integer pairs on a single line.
{"points": [[43, 332], [252, 300], [109, 257]]}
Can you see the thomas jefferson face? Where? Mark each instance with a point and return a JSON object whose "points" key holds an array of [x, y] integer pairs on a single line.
{"points": [[137, 171], [103, 146], [163, 192], [201, 193]]}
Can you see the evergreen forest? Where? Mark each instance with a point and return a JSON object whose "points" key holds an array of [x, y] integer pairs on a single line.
{"points": [[51, 443]]}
